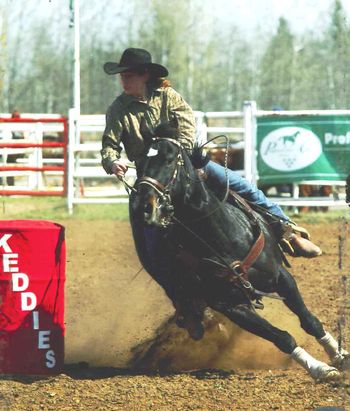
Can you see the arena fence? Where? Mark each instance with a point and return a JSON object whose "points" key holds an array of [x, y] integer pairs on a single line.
{"points": [[45, 164], [301, 148], [33, 155], [88, 183]]}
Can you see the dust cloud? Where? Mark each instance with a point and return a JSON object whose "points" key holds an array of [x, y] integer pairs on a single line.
{"points": [[118, 318]]}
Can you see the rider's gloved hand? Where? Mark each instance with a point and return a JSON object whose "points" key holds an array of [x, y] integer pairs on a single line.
{"points": [[119, 168]]}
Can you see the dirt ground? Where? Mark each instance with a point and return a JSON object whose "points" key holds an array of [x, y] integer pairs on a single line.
{"points": [[115, 314]]}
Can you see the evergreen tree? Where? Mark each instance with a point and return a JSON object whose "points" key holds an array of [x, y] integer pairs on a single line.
{"points": [[277, 69], [337, 44]]}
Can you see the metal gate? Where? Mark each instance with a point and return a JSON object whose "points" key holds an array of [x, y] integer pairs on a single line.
{"points": [[33, 156], [88, 182]]}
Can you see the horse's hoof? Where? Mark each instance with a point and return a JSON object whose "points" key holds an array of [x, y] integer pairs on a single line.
{"points": [[195, 331], [328, 375]]}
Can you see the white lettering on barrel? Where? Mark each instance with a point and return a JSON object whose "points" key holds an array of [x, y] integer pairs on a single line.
{"points": [[20, 283], [8, 260], [28, 301], [3, 243], [16, 279], [35, 320], [50, 359], [44, 340]]}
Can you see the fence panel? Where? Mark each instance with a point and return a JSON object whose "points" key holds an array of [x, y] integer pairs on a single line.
{"points": [[33, 156], [88, 182]]}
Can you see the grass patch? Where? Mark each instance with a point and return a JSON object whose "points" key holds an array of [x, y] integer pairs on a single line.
{"points": [[321, 217], [55, 208]]}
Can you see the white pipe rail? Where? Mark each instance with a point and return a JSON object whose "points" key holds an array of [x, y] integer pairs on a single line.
{"points": [[80, 169], [33, 129], [83, 167]]}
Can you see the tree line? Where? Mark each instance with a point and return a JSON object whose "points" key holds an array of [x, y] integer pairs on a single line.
{"points": [[215, 68]]}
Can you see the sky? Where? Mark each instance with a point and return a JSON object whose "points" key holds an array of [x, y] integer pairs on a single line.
{"points": [[303, 15]]}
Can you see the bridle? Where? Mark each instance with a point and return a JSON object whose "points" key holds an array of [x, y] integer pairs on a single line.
{"points": [[164, 198], [157, 185]]}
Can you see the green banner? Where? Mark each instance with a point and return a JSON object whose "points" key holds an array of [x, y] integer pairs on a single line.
{"points": [[300, 148]]}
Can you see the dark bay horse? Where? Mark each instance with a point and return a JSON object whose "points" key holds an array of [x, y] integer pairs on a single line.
{"points": [[189, 219]]}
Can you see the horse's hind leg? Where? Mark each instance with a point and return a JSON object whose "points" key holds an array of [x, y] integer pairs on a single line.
{"points": [[249, 320], [287, 288]]}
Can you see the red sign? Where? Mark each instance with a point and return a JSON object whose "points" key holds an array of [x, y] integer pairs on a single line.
{"points": [[32, 277]]}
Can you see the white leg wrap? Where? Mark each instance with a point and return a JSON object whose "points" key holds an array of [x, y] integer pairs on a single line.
{"points": [[317, 369], [331, 347]]}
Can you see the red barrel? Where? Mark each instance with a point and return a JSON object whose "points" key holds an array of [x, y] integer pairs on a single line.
{"points": [[32, 277]]}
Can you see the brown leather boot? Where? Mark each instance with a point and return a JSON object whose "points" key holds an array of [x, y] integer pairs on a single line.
{"points": [[303, 247], [298, 245]]}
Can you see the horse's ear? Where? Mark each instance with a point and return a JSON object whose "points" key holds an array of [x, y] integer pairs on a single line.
{"points": [[198, 158], [166, 130]]}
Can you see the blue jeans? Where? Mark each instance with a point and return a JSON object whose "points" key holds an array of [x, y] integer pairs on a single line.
{"points": [[217, 178]]}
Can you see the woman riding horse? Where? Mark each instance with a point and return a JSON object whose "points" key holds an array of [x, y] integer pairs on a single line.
{"points": [[227, 255], [148, 101]]}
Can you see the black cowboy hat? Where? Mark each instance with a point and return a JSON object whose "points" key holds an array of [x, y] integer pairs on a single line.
{"points": [[134, 59]]}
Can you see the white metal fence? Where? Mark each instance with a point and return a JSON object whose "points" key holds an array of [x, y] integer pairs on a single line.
{"points": [[88, 182]]}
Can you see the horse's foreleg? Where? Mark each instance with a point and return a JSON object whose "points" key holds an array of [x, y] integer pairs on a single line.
{"points": [[317, 369], [249, 320], [288, 289]]}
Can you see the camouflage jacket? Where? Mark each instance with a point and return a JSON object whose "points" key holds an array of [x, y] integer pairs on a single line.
{"points": [[132, 122]]}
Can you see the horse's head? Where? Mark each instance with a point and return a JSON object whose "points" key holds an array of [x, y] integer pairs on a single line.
{"points": [[159, 184]]}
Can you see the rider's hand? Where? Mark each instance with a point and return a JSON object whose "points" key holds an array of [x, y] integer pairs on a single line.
{"points": [[119, 168]]}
